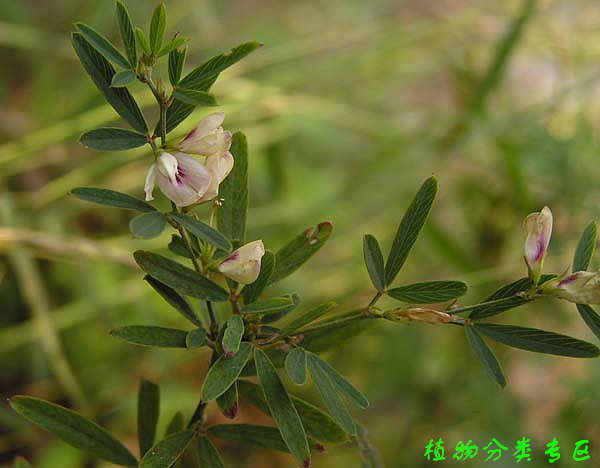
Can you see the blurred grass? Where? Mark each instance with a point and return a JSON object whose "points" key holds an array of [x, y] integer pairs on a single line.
{"points": [[348, 107]]}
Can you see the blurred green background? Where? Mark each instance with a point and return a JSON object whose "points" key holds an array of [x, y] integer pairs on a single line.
{"points": [[348, 107]]}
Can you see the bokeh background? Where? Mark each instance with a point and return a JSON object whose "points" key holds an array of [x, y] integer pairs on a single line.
{"points": [[348, 107]]}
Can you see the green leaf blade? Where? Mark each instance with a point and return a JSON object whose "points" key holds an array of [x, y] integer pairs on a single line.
{"points": [[272, 305], [228, 402], [178, 302], [102, 45], [122, 79], [306, 318], [196, 338], [342, 384], [112, 139], [485, 355], [147, 416], [127, 33], [224, 372], [266, 437], [232, 337], [142, 41], [112, 198], [146, 335], [194, 97], [176, 63], [208, 454], [158, 25], [510, 293], [590, 317], [409, 228], [585, 247], [73, 428], [374, 261], [282, 409], [148, 225], [429, 292], [202, 231], [167, 451], [295, 365]]}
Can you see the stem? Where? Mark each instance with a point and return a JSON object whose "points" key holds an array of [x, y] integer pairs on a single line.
{"points": [[504, 300], [375, 299]]}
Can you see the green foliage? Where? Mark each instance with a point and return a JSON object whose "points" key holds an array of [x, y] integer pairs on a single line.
{"points": [[249, 434], [148, 225], [148, 410], [127, 33], [585, 247], [429, 292], [590, 317], [208, 454], [143, 41], [202, 231], [196, 338], [224, 372], [73, 429], [102, 45], [123, 78], [112, 198], [176, 63], [113, 139], [273, 305], [306, 318], [234, 331], [504, 299], [20, 462], [295, 365], [374, 261], [158, 25], [194, 97], [485, 355], [178, 302], [167, 451], [151, 336], [228, 402]]}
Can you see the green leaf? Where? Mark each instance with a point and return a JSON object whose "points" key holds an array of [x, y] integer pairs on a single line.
{"points": [[276, 316], [195, 98], [272, 305], [374, 261], [329, 395], [409, 228], [102, 45], [295, 365], [590, 317], [316, 422], [368, 452], [249, 434], [485, 355], [538, 341], [340, 382], [291, 256], [234, 331], [113, 139], [143, 42], [158, 25], [507, 292], [178, 247], [148, 225], [196, 338], [209, 455], [102, 72], [182, 279], [174, 44], [178, 302], [228, 402], [429, 292], [282, 409], [252, 291], [151, 336], [127, 33], [73, 428], [147, 418], [122, 79], [585, 248], [306, 318], [327, 336], [167, 451], [176, 424], [20, 462], [176, 63], [202, 231], [112, 198], [224, 372], [231, 216]]}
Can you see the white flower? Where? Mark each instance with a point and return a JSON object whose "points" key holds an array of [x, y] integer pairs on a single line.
{"points": [[243, 265], [208, 138], [538, 227], [181, 178], [219, 166], [581, 287]]}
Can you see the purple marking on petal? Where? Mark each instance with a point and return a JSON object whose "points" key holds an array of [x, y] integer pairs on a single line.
{"points": [[540, 249], [568, 279], [190, 135]]}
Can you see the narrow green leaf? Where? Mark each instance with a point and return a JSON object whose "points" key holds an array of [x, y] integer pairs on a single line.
{"points": [[167, 451], [20, 462], [178, 247], [510, 293], [272, 305], [538, 341], [176, 424], [306, 318], [249, 434], [127, 33], [113, 139], [142, 41], [329, 395], [195, 98], [102, 45], [276, 316], [148, 225], [485, 355], [291, 256], [122, 78], [224, 372], [176, 63], [327, 336], [252, 292], [209, 455], [590, 317], [340, 382], [73, 428], [174, 44], [102, 72], [202, 231], [234, 331], [374, 261], [585, 247], [231, 216], [151, 336], [182, 279], [178, 302], [368, 452], [228, 402], [410, 226], [196, 338], [282, 409], [158, 25], [429, 292], [147, 418], [112, 198], [295, 365]]}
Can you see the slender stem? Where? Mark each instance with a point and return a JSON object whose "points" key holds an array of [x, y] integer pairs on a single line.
{"points": [[214, 326], [504, 300], [375, 299]]}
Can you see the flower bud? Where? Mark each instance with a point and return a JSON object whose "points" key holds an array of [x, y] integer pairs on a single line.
{"points": [[538, 227], [581, 287], [418, 314], [243, 265], [208, 137]]}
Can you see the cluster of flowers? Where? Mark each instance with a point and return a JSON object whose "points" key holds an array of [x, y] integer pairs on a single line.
{"points": [[192, 175]]}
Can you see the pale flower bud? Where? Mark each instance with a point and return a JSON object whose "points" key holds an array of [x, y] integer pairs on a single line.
{"points": [[538, 227], [243, 265], [418, 314], [581, 287], [208, 137]]}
